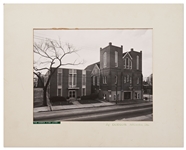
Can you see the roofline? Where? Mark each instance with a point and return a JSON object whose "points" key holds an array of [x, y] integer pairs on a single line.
{"points": [[93, 64], [126, 54], [69, 68], [94, 67]]}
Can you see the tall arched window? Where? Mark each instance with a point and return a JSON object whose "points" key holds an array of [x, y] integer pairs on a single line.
{"points": [[127, 63], [137, 63], [104, 59], [130, 66]]}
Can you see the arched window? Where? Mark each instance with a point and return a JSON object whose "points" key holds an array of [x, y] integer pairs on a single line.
{"points": [[137, 63], [130, 64], [127, 63], [104, 59], [104, 80]]}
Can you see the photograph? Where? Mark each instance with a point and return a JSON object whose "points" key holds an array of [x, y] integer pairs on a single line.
{"points": [[92, 75]]}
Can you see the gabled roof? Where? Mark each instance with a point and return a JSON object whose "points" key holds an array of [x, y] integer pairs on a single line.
{"points": [[127, 53], [95, 68], [91, 67]]}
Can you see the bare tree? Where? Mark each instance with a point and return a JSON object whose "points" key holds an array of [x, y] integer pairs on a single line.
{"points": [[50, 56]]}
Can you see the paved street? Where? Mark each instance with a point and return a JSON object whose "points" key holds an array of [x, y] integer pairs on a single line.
{"points": [[107, 113]]}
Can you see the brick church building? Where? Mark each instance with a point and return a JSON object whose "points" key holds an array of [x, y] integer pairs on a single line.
{"points": [[117, 73], [71, 83]]}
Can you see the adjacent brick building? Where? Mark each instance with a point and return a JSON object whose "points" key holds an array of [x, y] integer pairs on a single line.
{"points": [[117, 72], [70, 83]]}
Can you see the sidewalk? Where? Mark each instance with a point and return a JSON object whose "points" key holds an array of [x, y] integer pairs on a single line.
{"points": [[78, 105], [65, 107]]}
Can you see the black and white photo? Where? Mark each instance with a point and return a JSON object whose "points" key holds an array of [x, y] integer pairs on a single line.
{"points": [[92, 75]]}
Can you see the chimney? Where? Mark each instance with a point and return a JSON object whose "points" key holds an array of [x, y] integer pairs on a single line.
{"points": [[131, 49], [110, 43]]}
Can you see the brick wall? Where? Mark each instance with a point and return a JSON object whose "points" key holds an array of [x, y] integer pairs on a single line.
{"points": [[88, 82], [53, 84], [65, 73], [79, 82]]}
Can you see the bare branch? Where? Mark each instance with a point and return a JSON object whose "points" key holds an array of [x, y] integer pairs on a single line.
{"points": [[51, 52], [39, 69]]}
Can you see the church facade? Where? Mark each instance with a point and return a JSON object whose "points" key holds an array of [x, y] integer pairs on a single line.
{"points": [[118, 75]]}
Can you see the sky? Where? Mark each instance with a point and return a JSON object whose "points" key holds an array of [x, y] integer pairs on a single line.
{"points": [[89, 42]]}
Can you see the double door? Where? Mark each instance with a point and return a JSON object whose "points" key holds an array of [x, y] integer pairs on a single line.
{"points": [[72, 94]]}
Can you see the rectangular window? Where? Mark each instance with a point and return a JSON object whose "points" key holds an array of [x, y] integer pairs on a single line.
{"points": [[93, 80], [116, 59], [84, 79], [72, 78], [98, 80], [137, 63], [59, 92], [59, 78]]}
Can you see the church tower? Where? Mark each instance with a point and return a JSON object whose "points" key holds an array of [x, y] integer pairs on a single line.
{"points": [[111, 71]]}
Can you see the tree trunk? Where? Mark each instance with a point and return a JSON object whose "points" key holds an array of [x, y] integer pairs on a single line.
{"points": [[44, 97]]}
